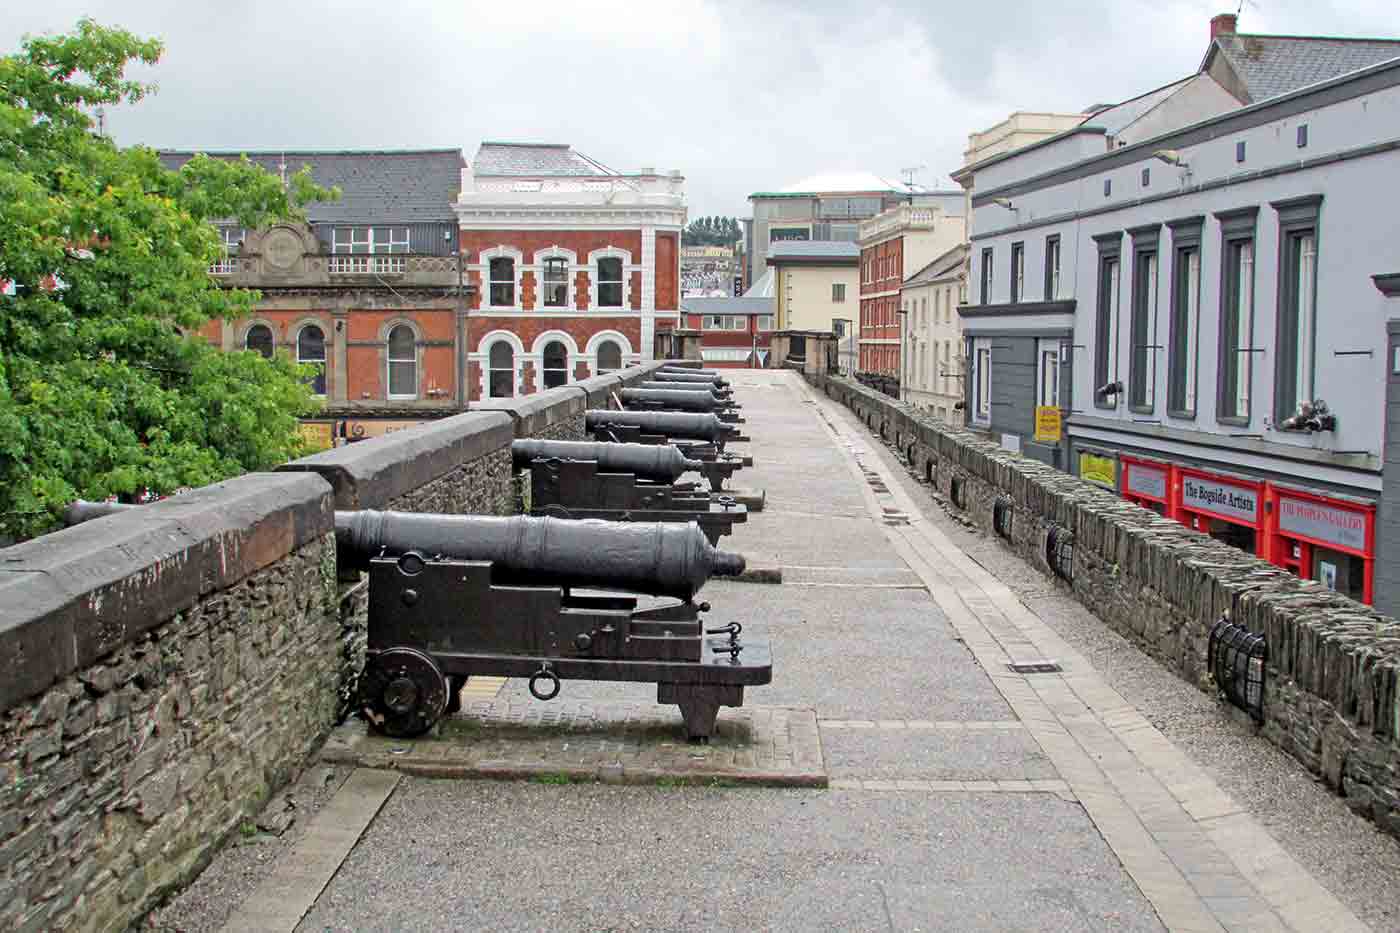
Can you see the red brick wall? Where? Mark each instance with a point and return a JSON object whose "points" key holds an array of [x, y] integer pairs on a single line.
{"points": [[881, 270], [528, 330], [667, 287], [581, 242]]}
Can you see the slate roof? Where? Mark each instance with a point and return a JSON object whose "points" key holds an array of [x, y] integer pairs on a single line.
{"points": [[941, 267], [743, 305], [813, 249], [763, 287], [534, 159], [1114, 118], [408, 186], [1273, 65]]}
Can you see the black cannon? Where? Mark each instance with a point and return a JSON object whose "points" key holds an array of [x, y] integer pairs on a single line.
{"points": [[677, 400], [720, 395], [621, 482], [699, 437], [679, 368], [451, 596], [670, 375]]}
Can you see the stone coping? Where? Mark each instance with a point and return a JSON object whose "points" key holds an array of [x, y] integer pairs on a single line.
{"points": [[370, 474], [532, 414], [565, 742], [75, 595]]}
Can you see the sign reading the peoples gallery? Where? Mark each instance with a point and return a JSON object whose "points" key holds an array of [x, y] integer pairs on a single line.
{"points": [[1224, 499], [1328, 523]]}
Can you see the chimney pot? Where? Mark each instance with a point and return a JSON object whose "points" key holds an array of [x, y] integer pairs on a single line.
{"points": [[1223, 25]]}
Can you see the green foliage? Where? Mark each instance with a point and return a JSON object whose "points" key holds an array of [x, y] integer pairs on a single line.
{"points": [[107, 386], [712, 231]]}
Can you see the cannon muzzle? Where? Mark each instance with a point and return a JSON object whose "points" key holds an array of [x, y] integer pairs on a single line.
{"points": [[660, 462], [652, 558], [695, 426], [81, 510]]}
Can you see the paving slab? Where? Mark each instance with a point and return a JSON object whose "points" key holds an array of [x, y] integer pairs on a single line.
{"points": [[937, 754], [582, 740]]}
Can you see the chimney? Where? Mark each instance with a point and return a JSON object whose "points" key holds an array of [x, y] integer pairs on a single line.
{"points": [[1223, 25]]}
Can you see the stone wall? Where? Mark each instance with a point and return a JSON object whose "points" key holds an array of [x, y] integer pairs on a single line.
{"points": [[1330, 696], [164, 670]]}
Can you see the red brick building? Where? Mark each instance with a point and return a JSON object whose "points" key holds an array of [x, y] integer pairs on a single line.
{"points": [[735, 332], [881, 274], [572, 267]]}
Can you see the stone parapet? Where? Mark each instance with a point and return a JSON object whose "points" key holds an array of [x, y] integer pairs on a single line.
{"points": [[1331, 688]]}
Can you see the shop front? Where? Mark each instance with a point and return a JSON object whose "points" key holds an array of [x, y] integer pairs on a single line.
{"points": [[1228, 508], [1326, 539], [1148, 483]]}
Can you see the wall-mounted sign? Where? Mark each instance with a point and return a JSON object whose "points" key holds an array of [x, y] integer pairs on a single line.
{"points": [[1047, 424], [1011, 442], [782, 234], [1097, 469], [360, 429], [1220, 498], [317, 435], [1342, 527], [1145, 480]]}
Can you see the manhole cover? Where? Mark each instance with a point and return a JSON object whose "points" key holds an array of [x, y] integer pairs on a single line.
{"points": [[1035, 667]]}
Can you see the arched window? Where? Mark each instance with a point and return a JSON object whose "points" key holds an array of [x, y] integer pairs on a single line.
{"points": [[556, 364], [311, 349], [259, 340], [502, 370], [502, 282], [610, 283], [609, 357], [403, 363]]}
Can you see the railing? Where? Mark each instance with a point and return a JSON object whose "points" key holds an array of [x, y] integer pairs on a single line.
{"points": [[897, 218], [367, 265], [226, 266]]}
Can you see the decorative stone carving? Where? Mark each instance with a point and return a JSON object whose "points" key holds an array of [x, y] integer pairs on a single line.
{"points": [[282, 248]]}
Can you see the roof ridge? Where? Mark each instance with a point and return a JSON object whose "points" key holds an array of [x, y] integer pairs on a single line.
{"points": [[1269, 35], [316, 152]]}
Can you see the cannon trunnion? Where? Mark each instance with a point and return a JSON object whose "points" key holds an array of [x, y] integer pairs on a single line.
{"points": [[451, 596]]}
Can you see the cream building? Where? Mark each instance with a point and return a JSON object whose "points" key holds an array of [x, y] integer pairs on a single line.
{"points": [[933, 347], [814, 284]]}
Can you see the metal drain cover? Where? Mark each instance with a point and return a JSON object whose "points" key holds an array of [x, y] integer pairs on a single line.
{"points": [[1035, 667]]}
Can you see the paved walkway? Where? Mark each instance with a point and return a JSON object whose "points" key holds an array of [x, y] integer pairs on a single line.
{"points": [[962, 796]]}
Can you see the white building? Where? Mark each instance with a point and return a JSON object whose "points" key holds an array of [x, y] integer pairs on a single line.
{"points": [[933, 346]]}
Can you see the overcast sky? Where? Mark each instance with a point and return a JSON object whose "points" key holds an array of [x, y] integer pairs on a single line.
{"points": [[740, 95]]}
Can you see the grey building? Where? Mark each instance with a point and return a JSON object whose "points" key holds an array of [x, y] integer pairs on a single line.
{"points": [[1211, 311]]}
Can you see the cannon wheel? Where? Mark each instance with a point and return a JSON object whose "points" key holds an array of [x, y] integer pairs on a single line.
{"points": [[402, 693]]}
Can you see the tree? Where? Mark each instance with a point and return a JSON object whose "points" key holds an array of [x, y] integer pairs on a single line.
{"points": [[712, 231], [106, 386]]}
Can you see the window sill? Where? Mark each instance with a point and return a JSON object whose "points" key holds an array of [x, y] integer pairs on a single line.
{"points": [[1233, 421], [402, 398], [1182, 415], [1143, 409]]}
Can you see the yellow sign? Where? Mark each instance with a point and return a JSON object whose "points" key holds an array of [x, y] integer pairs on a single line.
{"points": [[1047, 423], [1097, 469], [317, 435]]}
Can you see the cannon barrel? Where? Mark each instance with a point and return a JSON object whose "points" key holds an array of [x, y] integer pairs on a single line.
{"points": [[81, 510], [695, 426], [648, 461], [670, 375], [652, 558], [672, 400], [672, 368], [723, 395]]}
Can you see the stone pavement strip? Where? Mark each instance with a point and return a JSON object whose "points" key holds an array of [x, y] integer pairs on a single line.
{"points": [[614, 742], [283, 899], [1202, 862]]}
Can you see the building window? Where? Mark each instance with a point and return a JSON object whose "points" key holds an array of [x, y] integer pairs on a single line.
{"points": [[1018, 271], [1146, 177], [555, 364], [1107, 187], [1106, 323], [1239, 151], [403, 363], [982, 381], [502, 282], [556, 282], [838, 292], [232, 239], [1236, 314], [1303, 136], [609, 357], [1052, 268], [1297, 304], [765, 322], [311, 351], [1186, 318], [369, 240], [259, 340], [986, 294], [502, 370], [610, 282], [1048, 373], [1142, 365]]}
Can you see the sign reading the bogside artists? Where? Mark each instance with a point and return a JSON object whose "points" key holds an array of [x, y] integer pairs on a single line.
{"points": [[1328, 523], [1224, 499], [1097, 469], [1047, 424]]}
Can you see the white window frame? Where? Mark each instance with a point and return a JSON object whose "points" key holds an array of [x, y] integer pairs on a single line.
{"points": [[1047, 374], [838, 293], [982, 381], [369, 240], [324, 376], [492, 369], [390, 361], [513, 281]]}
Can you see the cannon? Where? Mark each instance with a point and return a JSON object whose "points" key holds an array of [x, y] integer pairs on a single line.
{"points": [[679, 368], [667, 375], [452, 596], [698, 436], [720, 395], [677, 400], [621, 482]]}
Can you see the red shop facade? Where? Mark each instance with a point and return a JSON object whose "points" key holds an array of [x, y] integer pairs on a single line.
{"points": [[1331, 539]]}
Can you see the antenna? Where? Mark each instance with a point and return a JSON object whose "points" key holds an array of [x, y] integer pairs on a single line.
{"points": [[909, 172], [282, 169]]}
